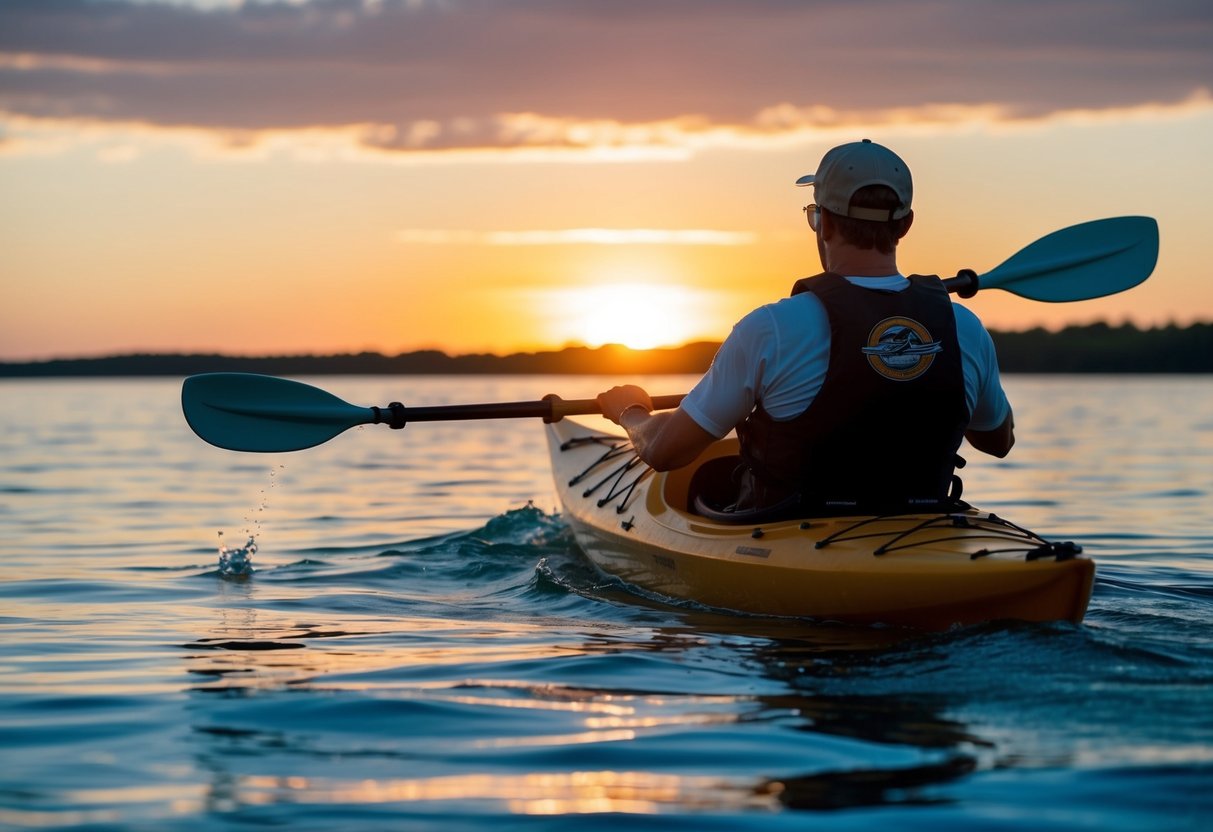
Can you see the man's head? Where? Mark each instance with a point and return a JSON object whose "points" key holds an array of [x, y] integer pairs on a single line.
{"points": [[868, 190]]}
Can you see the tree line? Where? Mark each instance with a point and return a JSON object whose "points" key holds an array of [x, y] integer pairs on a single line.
{"points": [[1096, 348]]}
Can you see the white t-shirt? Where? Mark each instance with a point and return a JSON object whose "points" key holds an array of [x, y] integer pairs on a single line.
{"points": [[778, 355]]}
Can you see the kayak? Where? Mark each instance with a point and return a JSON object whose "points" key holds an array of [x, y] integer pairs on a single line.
{"points": [[926, 571]]}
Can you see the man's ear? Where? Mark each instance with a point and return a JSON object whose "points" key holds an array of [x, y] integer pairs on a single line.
{"points": [[906, 222], [827, 225]]}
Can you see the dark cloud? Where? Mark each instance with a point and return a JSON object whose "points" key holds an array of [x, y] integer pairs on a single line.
{"points": [[442, 72]]}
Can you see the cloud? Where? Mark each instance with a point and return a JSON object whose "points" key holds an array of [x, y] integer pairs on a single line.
{"points": [[426, 76], [579, 236], [546, 140]]}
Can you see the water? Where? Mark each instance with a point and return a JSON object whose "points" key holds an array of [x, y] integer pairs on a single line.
{"points": [[419, 645]]}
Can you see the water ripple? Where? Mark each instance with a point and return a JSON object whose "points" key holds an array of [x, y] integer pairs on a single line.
{"points": [[427, 648]]}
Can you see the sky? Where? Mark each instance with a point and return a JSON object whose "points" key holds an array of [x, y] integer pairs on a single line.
{"points": [[332, 176]]}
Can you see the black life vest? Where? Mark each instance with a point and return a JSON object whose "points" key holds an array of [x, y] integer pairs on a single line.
{"points": [[882, 433]]}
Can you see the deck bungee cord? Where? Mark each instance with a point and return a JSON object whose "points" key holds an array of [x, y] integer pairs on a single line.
{"points": [[617, 449]]}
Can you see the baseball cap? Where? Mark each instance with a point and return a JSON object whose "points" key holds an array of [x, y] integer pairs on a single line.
{"points": [[847, 168]]}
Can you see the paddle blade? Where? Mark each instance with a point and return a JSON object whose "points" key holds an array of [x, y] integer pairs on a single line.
{"points": [[247, 412], [1081, 262]]}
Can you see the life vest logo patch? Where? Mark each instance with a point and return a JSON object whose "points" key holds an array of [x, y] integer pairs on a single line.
{"points": [[901, 349]]}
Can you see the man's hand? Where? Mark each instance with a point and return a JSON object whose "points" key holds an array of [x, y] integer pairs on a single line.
{"points": [[618, 399]]}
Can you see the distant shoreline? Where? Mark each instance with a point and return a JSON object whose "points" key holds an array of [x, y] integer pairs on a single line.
{"points": [[1096, 348]]}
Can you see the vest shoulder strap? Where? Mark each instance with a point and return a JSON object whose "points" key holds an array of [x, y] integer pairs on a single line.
{"points": [[805, 284]]}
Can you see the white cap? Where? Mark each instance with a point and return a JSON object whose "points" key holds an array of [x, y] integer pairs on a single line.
{"points": [[849, 167]]}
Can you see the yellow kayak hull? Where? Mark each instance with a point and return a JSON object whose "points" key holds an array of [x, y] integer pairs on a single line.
{"points": [[926, 571]]}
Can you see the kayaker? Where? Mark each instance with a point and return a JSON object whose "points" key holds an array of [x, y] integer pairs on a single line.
{"points": [[853, 393]]}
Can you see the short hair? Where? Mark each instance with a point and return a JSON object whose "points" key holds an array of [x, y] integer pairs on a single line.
{"points": [[867, 234]]}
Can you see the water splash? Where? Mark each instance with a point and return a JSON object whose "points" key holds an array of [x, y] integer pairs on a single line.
{"points": [[237, 562]]}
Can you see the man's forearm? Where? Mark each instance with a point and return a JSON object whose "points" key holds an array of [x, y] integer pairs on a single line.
{"points": [[666, 440], [997, 442], [644, 429]]}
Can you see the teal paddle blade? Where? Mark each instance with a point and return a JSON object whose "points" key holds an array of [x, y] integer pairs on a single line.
{"points": [[1081, 262], [248, 412]]}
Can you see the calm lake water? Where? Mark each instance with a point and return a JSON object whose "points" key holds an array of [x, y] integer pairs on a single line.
{"points": [[421, 645]]}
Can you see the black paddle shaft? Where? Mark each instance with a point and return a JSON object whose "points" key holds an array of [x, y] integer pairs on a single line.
{"points": [[550, 408]]}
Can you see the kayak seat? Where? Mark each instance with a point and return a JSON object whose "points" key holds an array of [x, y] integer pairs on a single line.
{"points": [[713, 493], [789, 509]]}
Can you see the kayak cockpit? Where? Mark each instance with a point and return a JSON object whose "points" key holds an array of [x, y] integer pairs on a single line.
{"points": [[676, 485]]}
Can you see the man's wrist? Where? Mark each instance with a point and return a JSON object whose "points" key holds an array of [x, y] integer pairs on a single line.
{"points": [[636, 406]]}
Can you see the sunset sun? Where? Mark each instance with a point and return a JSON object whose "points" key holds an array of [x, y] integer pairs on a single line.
{"points": [[636, 315]]}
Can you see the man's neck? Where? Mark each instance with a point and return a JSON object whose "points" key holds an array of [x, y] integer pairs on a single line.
{"points": [[860, 262]]}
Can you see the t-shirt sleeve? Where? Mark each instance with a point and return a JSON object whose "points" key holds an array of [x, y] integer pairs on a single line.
{"points": [[983, 385], [727, 392]]}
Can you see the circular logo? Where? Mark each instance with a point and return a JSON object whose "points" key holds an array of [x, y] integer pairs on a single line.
{"points": [[901, 349]]}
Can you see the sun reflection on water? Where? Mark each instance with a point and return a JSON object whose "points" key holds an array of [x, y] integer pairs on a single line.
{"points": [[537, 793]]}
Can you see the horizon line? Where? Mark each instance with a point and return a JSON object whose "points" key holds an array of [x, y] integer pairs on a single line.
{"points": [[502, 354]]}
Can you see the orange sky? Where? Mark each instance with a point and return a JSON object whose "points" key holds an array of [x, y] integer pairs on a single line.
{"points": [[345, 175]]}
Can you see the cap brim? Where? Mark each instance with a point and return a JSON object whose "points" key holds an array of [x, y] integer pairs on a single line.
{"points": [[807, 179]]}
